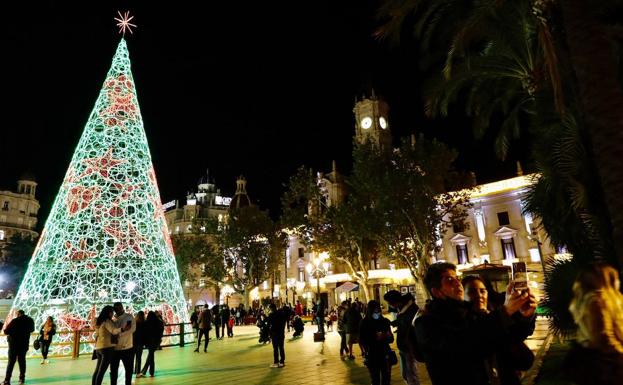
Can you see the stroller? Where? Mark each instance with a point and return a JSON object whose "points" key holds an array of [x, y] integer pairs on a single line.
{"points": [[298, 327], [264, 330]]}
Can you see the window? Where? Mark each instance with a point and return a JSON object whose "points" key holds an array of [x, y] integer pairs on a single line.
{"points": [[508, 248], [301, 252], [1, 235], [5, 206], [503, 218], [458, 227], [461, 254], [301, 274], [202, 282]]}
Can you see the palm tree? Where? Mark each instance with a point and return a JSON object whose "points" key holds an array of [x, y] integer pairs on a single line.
{"points": [[601, 100]]}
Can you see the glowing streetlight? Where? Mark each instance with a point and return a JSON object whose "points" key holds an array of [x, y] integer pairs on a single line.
{"points": [[318, 270]]}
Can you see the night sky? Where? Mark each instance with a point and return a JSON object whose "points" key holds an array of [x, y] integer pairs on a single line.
{"points": [[256, 88]]}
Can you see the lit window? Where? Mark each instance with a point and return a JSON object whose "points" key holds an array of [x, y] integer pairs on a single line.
{"points": [[461, 254], [1, 235], [202, 282], [508, 248]]}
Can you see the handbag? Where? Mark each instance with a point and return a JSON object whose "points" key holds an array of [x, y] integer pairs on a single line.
{"points": [[392, 358], [37, 343]]}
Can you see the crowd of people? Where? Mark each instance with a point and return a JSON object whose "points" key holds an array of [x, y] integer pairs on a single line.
{"points": [[480, 330]]}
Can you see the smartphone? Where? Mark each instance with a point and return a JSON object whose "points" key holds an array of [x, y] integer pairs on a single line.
{"points": [[520, 275]]}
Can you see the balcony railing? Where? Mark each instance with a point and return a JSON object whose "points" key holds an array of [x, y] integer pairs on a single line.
{"points": [[73, 343], [16, 226]]}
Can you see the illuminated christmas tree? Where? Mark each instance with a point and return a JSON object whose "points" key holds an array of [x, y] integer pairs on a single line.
{"points": [[106, 238]]}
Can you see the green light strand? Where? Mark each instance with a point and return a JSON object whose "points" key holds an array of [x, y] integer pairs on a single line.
{"points": [[106, 238]]}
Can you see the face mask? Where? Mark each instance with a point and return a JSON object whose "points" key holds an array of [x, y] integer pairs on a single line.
{"points": [[376, 315]]}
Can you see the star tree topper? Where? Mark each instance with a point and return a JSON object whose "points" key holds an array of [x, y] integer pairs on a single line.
{"points": [[124, 22]]}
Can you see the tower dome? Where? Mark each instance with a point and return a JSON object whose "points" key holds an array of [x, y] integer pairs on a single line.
{"points": [[241, 198]]}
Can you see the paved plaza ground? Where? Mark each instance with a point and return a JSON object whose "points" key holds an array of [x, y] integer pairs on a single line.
{"points": [[239, 360]]}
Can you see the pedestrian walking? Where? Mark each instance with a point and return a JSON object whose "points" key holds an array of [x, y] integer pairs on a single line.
{"points": [[352, 319], [405, 333], [375, 336], [230, 326], [18, 332], [124, 349], [194, 321], [277, 325], [341, 328], [48, 329], [154, 329], [216, 320], [105, 340], [224, 316], [138, 341], [205, 324]]}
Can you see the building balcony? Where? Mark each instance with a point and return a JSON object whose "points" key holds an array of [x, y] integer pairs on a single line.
{"points": [[16, 226]]}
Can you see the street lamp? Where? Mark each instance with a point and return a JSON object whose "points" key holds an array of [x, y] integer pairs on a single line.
{"points": [[318, 269], [291, 284]]}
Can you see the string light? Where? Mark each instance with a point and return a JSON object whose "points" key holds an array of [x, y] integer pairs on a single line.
{"points": [[106, 238]]}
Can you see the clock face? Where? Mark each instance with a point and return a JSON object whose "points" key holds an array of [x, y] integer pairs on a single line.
{"points": [[383, 122], [366, 122]]}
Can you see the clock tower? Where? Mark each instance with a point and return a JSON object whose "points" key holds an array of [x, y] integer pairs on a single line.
{"points": [[371, 123]]}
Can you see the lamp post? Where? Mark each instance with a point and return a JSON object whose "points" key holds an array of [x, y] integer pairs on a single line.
{"points": [[318, 269], [291, 284]]}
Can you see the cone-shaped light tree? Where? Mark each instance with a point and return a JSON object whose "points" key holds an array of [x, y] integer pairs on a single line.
{"points": [[106, 238]]}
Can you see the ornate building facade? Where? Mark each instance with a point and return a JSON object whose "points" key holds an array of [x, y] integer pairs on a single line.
{"points": [[18, 210], [497, 232], [206, 202]]}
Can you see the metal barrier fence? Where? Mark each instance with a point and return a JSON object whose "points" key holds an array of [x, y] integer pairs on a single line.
{"points": [[73, 343]]}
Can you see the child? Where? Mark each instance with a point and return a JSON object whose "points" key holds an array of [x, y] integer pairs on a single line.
{"points": [[299, 326], [230, 326], [330, 318]]}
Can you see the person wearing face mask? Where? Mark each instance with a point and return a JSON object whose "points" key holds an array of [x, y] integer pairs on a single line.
{"points": [[453, 342], [511, 354], [375, 335], [405, 333]]}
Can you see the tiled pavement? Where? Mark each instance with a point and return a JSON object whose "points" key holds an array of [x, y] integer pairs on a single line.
{"points": [[239, 360]]}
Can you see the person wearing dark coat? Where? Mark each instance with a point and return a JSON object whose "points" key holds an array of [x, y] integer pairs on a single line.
{"points": [[511, 354], [453, 342], [205, 324], [352, 318], [154, 329], [277, 324], [18, 332], [194, 321], [406, 310], [224, 315], [375, 335], [138, 340], [47, 331]]}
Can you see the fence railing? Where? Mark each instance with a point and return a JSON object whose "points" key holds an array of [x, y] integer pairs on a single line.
{"points": [[73, 343]]}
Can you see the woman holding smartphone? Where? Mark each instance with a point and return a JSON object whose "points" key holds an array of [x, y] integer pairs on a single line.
{"points": [[512, 355]]}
